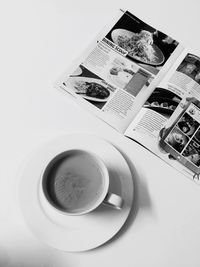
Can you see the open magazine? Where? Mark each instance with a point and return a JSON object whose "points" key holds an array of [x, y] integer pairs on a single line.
{"points": [[146, 85]]}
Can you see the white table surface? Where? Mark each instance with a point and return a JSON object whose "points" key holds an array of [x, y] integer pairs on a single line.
{"points": [[39, 40]]}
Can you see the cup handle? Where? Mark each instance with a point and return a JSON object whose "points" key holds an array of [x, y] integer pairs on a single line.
{"points": [[113, 200]]}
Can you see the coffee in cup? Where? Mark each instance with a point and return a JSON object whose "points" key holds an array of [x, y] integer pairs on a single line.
{"points": [[76, 182]]}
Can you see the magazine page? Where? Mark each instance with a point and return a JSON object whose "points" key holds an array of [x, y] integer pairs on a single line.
{"points": [[120, 68], [165, 108]]}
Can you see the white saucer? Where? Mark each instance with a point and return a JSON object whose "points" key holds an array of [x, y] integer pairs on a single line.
{"points": [[75, 233]]}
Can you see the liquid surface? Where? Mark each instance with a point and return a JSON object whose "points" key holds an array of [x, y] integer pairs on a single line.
{"points": [[75, 183]]}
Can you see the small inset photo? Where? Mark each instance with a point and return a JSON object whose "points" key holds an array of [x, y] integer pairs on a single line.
{"points": [[190, 66], [188, 125], [121, 71], [192, 153], [177, 139], [120, 76]]}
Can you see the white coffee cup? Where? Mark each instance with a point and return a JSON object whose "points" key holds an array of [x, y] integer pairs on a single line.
{"points": [[76, 182]]}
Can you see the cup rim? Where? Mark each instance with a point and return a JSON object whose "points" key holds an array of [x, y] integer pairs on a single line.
{"points": [[62, 155]]}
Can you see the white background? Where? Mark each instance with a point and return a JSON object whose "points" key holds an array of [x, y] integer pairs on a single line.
{"points": [[39, 40]]}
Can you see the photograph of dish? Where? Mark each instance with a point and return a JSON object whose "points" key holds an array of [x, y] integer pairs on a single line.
{"points": [[143, 44], [120, 76], [192, 153], [177, 139], [139, 46], [90, 88], [187, 125], [163, 101]]}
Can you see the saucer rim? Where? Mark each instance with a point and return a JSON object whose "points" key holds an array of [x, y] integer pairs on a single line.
{"points": [[68, 142]]}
